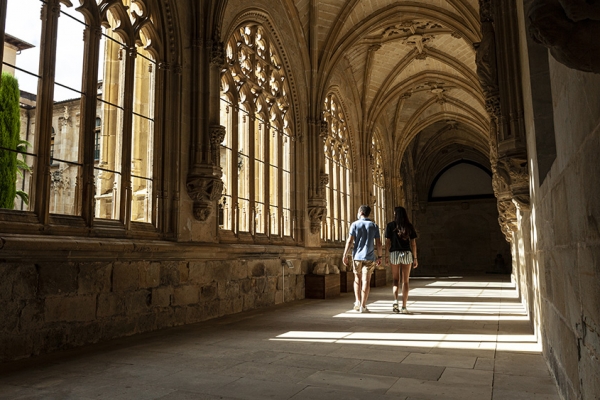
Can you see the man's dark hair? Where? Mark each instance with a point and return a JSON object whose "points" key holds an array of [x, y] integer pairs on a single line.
{"points": [[364, 210]]}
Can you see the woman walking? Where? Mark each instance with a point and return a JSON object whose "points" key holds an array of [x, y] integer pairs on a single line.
{"points": [[400, 241]]}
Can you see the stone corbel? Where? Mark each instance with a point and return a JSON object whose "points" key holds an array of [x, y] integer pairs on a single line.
{"points": [[514, 173], [569, 29], [317, 211], [204, 190], [507, 218]]}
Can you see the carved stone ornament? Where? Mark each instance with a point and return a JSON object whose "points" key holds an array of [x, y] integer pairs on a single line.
{"points": [[204, 191], [316, 214], [507, 218], [570, 30], [323, 130], [217, 54], [323, 182], [217, 135]]}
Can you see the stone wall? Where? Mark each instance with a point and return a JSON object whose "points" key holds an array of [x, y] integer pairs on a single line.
{"points": [[52, 305], [558, 241], [459, 237]]}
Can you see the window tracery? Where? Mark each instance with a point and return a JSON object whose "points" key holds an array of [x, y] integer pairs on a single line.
{"points": [[338, 167], [378, 184], [257, 151], [110, 78]]}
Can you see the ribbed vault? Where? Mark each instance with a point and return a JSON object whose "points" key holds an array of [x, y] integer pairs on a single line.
{"points": [[411, 66]]}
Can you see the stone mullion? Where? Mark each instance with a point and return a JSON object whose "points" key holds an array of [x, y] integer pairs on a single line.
{"points": [[266, 132], [235, 123], [251, 169], [126, 184], [160, 151], [280, 194], [45, 105], [329, 188], [92, 35], [3, 4]]}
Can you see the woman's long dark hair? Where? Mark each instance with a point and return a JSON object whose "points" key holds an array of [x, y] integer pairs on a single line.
{"points": [[403, 226]]}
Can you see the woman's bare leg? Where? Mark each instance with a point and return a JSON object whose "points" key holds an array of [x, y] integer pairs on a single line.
{"points": [[395, 280], [405, 275]]}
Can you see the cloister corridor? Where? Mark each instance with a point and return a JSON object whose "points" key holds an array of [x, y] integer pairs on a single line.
{"points": [[466, 338]]}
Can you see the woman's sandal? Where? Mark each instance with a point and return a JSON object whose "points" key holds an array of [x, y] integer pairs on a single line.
{"points": [[395, 308]]}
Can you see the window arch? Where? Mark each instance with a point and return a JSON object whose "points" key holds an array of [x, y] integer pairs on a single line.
{"points": [[378, 183], [257, 151], [338, 167], [109, 78]]}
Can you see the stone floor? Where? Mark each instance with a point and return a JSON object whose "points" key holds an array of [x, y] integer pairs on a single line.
{"points": [[466, 338]]}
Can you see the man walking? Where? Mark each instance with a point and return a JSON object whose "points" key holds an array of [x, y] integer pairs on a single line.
{"points": [[363, 233]]}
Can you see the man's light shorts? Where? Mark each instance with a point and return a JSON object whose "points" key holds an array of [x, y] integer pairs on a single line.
{"points": [[363, 266]]}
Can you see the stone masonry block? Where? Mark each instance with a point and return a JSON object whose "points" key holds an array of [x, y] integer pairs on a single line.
{"points": [[137, 302], [125, 276], [209, 292], [248, 302], [149, 275], [94, 278], [75, 308], [18, 281], [9, 316], [110, 305], [57, 278], [239, 270], [219, 271], [258, 269], [171, 273], [161, 297], [184, 272], [246, 286], [228, 290], [185, 295], [198, 273], [32, 316]]}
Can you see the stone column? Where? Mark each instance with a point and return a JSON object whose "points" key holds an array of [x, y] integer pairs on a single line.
{"points": [[204, 184]]}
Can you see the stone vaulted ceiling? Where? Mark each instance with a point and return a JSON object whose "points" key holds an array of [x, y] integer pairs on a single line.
{"points": [[411, 65]]}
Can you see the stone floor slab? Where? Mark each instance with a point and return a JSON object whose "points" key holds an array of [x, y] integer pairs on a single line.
{"points": [[302, 350], [399, 370]]}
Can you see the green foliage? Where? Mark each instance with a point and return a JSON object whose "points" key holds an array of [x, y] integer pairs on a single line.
{"points": [[10, 126]]}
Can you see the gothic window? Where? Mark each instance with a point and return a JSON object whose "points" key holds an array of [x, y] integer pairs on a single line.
{"points": [[116, 89], [378, 184], [257, 150], [338, 167]]}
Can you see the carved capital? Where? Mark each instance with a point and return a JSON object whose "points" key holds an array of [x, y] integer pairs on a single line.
{"points": [[217, 134], [323, 130], [316, 214], [507, 218], [204, 191], [217, 54], [323, 182]]}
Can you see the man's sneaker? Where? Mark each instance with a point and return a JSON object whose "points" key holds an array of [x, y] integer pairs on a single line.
{"points": [[395, 308], [357, 306], [364, 310], [404, 310]]}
